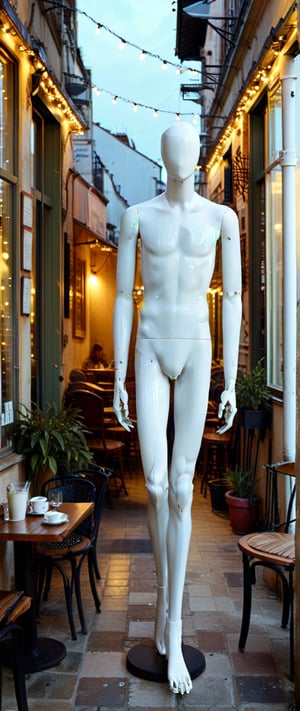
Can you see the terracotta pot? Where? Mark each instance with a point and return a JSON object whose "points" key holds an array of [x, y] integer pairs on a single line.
{"points": [[242, 513]]}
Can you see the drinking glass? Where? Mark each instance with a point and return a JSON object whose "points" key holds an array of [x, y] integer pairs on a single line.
{"points": [[55, 498]]}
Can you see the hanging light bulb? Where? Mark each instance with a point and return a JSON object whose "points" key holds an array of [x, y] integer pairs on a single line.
{"points": [[164, 65], [98, 28], [155, 113], [135, 108], [142, 56], [121, 45], [114, 100], [177, 117]]}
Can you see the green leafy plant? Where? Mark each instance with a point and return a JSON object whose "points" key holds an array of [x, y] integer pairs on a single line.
{"points": [[53, 439], [251, 389], [241, 481]]}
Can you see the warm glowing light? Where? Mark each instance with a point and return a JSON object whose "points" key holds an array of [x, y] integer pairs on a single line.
{"points": [[164, 65], [155, 113], [114, 100], [93, 279], [142, 56], [134, 108], [97, 29], [121, 46]]}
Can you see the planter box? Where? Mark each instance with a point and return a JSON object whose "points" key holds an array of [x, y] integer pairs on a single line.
{"points": [[218, 488]]}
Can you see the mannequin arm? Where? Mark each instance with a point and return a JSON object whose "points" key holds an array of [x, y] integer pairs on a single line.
{"points": [[232, 313], [124, 311]]}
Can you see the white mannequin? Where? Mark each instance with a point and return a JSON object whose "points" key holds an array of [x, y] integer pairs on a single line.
{"points": [[178, 231]]}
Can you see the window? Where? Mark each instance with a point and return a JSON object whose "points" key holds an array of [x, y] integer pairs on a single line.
{"points": [[7, 227], [274, 244]]}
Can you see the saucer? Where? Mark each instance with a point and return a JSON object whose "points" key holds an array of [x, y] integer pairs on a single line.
{"points": [[63, 519]]}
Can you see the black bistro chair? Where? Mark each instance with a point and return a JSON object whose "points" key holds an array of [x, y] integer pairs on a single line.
{"points": [[79, 545], [13, 604]]}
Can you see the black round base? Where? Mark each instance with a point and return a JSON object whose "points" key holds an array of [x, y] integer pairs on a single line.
{"points": [[144, 661], [49, 653]]}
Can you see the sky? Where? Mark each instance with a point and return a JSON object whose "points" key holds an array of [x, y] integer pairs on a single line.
{"points": [[150, 26]]}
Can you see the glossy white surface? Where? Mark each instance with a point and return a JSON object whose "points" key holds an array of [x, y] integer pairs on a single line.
{"points": [[178, 231]]}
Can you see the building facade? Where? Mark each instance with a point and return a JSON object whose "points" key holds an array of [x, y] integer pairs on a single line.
{"points": [[250, 149], [61, 201]]}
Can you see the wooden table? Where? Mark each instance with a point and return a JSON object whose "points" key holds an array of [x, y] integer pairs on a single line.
{"points": [[40, 652]]}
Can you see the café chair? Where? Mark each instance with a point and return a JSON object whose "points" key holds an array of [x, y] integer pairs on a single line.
{"points": [[274, 550], [12, 606], [106, 450], [99, 476], [75, 548], [216, 451], [82, 381]]}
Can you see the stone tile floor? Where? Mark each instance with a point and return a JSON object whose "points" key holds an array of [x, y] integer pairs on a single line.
{"points": [[93, 675]]}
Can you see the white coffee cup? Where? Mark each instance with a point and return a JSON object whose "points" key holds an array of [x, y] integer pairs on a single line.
{"points": [[39, 504], [54, 516]]}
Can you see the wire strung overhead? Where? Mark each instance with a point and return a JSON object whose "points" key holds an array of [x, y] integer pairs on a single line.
{"points": [[136, 104], [180, 69], [143, 52]]}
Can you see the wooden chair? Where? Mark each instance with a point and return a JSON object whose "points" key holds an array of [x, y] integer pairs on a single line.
{"points": [[106, 450], [12, 606], [73, 549], [216, 453], [275, 550]]}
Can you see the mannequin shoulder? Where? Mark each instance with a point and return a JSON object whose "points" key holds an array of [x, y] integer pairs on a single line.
{"points": [[229, 220], [134, 213]]}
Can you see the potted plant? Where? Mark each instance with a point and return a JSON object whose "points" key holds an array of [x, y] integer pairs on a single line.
{"points": [[253, 397], [241, 499], [51, 441]]}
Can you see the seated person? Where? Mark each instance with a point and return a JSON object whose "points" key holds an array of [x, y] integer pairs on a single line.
{"points": [[95, 359]]}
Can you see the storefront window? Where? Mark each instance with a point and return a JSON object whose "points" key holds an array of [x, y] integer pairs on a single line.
{"points": [[7, 225], [6, 114], [274, 245]]}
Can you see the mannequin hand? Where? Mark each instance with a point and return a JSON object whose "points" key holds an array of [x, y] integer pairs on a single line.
{"points": [[227, 408], [121, 406]]}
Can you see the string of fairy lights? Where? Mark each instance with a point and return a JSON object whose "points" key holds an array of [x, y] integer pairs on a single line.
{"points": [[142, 55]]}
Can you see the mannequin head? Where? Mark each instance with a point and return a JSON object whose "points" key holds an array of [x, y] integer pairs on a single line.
{"points": [[180, 147]]}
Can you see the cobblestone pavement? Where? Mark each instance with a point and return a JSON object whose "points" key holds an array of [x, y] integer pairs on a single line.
{"points": [[93, 675]]}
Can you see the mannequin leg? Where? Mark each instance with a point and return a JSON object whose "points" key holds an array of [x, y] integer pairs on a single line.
{"points": [[152, 402], [190, 406]]}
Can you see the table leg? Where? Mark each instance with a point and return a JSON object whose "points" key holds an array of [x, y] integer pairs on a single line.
{"points": [[40, 652]]}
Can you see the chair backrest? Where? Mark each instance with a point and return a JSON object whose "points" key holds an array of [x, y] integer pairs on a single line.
{"points": [[92, 387], [74, 489], [91, 406], [99, 476], [279, 516]]}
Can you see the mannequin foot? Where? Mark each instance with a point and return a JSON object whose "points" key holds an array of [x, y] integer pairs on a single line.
{"points": [[178, 675], [161, 620]]}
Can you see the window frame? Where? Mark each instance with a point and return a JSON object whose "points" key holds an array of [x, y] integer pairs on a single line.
{"points": [[274, 244], [9, 179]]}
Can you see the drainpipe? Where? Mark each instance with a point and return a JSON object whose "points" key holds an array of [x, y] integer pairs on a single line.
{"points": [[288, 164]]}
